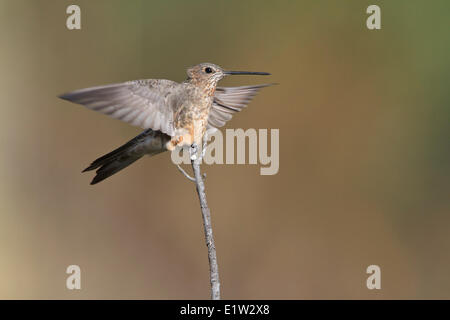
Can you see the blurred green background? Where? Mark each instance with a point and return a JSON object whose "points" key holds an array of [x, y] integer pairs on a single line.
{"points": [[364, 157]]}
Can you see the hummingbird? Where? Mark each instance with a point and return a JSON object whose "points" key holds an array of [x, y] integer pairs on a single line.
{"points": [[173, 114]]}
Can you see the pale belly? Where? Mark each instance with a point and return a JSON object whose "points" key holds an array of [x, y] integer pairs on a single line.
{"points": [[191, 129]]}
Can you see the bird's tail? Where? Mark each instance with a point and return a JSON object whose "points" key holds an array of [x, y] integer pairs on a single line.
{"points": [[148, 142]]}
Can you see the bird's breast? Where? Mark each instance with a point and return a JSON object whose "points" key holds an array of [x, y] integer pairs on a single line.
{"points": [[190, 120]]}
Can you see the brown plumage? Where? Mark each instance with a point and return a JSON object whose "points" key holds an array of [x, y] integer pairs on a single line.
{"points": [[173, 114]]}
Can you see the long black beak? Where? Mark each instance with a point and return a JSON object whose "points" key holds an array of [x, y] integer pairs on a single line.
{"points": [[247, 72]]}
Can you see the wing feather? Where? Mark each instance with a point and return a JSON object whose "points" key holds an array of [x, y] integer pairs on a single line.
{"points": [[144, 103], [229, 100]]}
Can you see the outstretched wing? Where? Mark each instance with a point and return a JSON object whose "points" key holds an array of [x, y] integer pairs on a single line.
{"points": [[144, 103], [228, 101]]}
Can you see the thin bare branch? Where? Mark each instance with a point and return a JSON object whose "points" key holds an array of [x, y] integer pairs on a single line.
{"points": [[206, 214], [185, 173]]}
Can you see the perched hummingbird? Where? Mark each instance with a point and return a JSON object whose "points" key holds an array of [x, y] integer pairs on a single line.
{"points": [[173, 114]]}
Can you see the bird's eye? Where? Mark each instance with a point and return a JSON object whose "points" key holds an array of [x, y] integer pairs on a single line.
{"points": [[208, 70]]}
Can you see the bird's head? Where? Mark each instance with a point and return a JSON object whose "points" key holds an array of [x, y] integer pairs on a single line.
{"points": [[210, 74]]}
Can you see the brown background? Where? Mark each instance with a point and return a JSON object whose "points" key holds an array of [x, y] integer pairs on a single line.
{"points": [[364, 158]]}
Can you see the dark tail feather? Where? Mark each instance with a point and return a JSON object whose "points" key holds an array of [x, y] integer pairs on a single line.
{"points": [[125, 155], [116, 153], [113, 166]]}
